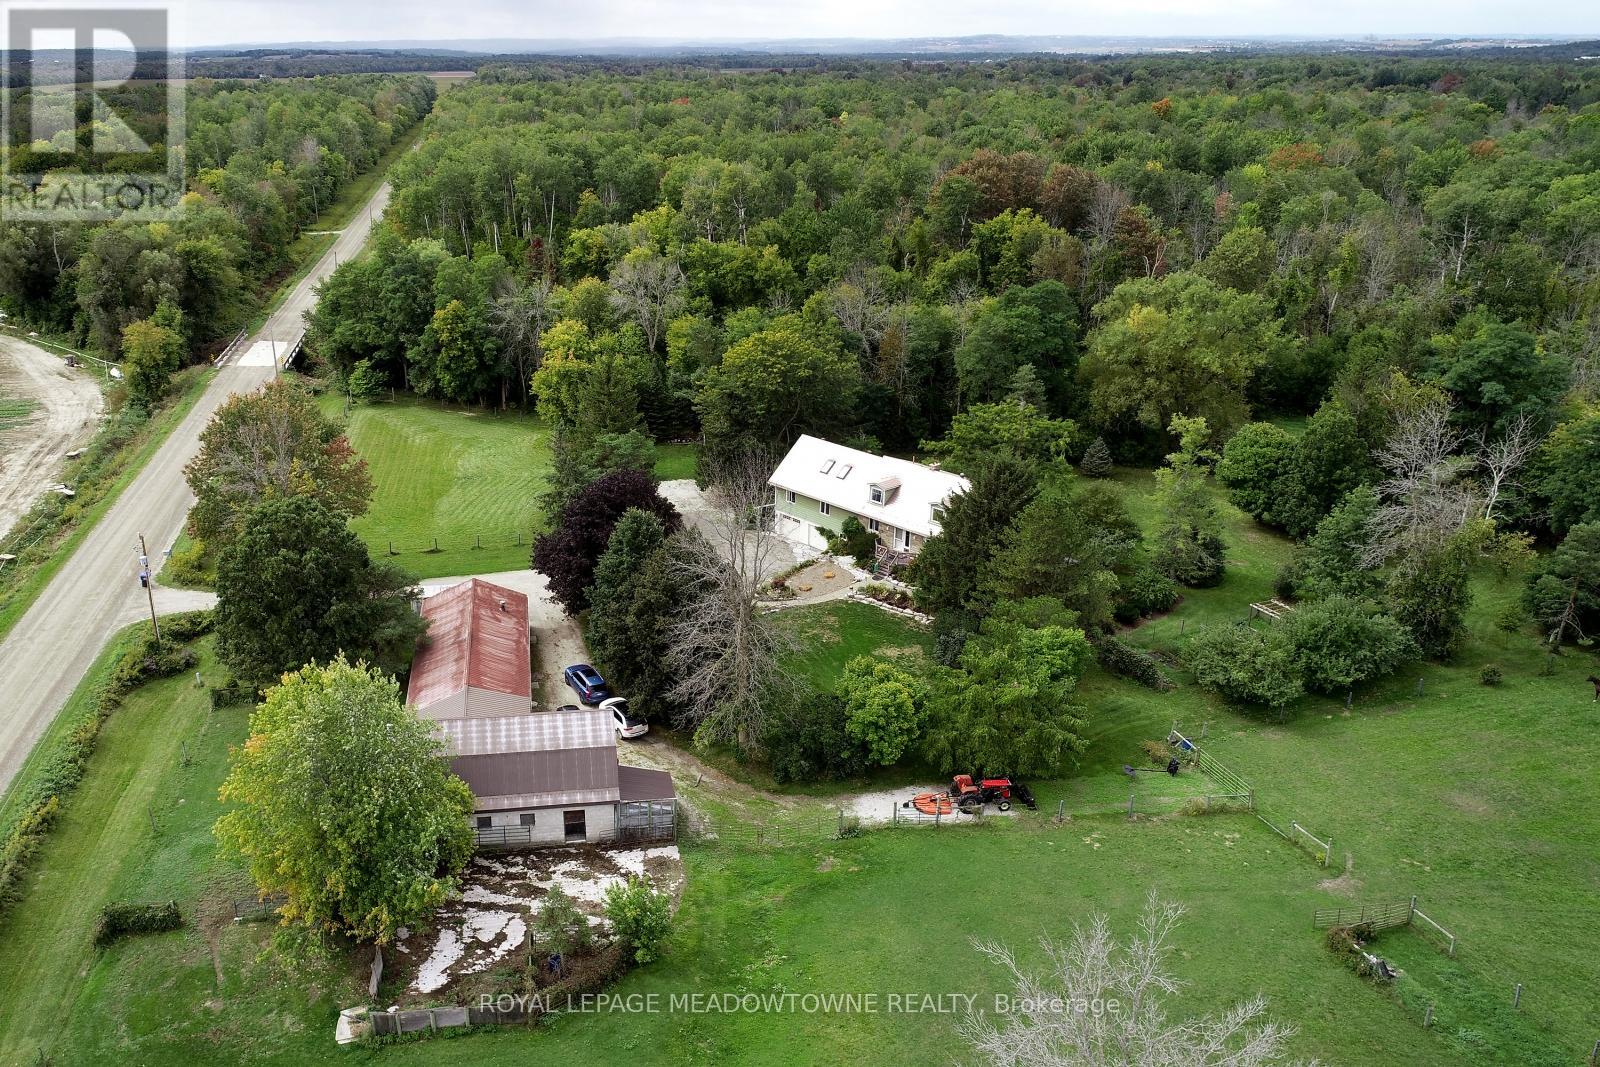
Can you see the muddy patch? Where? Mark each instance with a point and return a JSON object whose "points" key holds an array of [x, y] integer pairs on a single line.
{"points": [[503, 894], [1469, 804]]}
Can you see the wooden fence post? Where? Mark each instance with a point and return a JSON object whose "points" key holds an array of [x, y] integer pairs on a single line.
{"points": [[1130, 805], [1427, 1017], [1516, 996]]}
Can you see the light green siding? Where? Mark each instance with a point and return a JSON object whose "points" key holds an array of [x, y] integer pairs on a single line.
{"points": [[806, 509]]}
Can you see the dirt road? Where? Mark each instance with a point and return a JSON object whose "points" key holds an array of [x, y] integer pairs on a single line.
{"points": [[47, 652], [32, 454]]}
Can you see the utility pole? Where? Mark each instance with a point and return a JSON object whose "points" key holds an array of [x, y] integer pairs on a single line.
{"points": [[146, 580]]}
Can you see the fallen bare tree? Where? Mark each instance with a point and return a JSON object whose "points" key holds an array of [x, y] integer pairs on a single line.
{"points": [[1100, 1004]]}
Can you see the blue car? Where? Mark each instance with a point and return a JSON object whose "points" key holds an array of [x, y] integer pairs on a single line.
{"points": [[587, 683]]}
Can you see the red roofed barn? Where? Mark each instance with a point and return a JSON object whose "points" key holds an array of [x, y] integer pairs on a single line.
{"points": [[538, 778], [474, 660]]}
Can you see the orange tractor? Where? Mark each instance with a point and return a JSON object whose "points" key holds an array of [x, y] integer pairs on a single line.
{"points": [[969, 796]]}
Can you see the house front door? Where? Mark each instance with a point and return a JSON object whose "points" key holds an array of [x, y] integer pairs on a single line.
{"points": [[577, 829]]}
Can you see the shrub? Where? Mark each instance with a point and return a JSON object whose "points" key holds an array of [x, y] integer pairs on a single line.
{"points": [[1245, 664], [1490, 674], [1146, 592], [190, 566], [560, 928], [1340, 642], [231, 693], [1158, 751], [1122, 659], [640, 918], [121, 920], [892, 595], [1345, 942], [854, 540], [21, 844], [811, 742]]}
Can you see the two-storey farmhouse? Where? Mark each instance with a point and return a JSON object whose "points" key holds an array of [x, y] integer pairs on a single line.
{"points": [[819, 484]]}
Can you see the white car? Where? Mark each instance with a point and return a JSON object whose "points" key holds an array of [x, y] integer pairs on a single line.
{"points": [[628, 724]]}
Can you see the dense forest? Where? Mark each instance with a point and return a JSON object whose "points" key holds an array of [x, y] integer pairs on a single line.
{"points": [[261, 159], [1359, 293]]}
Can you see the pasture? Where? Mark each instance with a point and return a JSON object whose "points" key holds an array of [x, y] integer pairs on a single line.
{"points": [[1474, 799]]}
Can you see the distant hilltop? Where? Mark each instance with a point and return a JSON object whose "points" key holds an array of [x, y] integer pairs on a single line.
{"points": [[1002, 44]]}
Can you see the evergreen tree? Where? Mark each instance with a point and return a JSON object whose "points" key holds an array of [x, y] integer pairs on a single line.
{"points": [[1097, 460]]}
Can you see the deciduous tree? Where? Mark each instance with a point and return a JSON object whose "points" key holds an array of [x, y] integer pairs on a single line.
{"points": [[296, 586], [269, 445], [342, 801]]}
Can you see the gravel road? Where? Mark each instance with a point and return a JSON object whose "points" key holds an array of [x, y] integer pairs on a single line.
{"points": [[32, 454], [47, 652]]}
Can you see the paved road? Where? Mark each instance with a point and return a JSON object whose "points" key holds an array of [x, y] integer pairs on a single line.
{"points": [[97, 592]]}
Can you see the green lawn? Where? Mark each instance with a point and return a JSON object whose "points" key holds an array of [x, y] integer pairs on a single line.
{"points": [[139, 828], [463, 477], [832, 634], [1479, 801], [677, 461]]}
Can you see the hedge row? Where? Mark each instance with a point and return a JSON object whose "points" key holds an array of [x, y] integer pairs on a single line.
{"points": [[1122, 659], [123, 919], [64, 766]]}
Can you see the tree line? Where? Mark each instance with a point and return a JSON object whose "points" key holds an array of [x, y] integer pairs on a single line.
{"points": [[261, 160], [1357, 292]]}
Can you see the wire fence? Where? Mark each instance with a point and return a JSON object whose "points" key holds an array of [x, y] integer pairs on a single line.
{"points": [[475, 543], [801, 829]]}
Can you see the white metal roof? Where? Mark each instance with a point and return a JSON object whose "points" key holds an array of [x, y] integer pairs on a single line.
{"points": [[844, 476], [542, 731]]}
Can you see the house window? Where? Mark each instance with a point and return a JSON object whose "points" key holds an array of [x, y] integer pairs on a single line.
{"points": [[789, 495], [876, 494], [827, 466], [825, 507], [526, 818], [938, 513], [485, 822], [872, 524]]}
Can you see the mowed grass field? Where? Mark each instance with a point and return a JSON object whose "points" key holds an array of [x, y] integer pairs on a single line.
{"points": [[1477, 800], [466, 479], [139, 829]]}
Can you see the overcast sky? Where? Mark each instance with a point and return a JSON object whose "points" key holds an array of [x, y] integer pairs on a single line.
{"points": [[214, 22], [234, 21]]}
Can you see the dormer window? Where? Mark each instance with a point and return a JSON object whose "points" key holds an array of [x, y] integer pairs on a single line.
{"points": [[937, 512], [876, 492], [882, 490]]}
